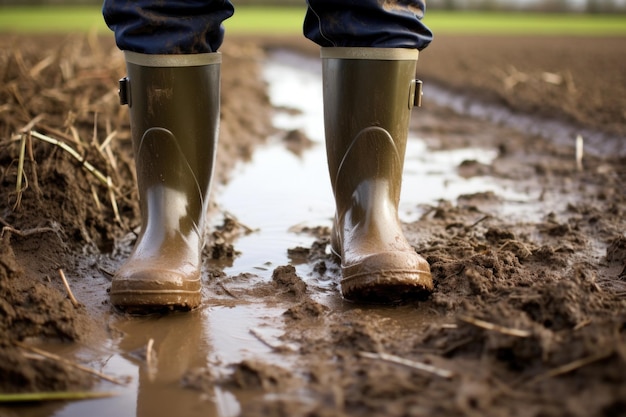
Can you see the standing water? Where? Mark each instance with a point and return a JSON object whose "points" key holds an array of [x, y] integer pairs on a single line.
{"points": [[275, 194]]}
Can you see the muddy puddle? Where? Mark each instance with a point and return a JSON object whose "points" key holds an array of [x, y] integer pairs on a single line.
{"points": [[150, 356]]}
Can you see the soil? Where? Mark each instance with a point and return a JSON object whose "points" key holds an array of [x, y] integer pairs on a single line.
{"points": [[528, 317]]}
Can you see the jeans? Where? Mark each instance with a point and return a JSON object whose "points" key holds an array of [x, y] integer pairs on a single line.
{"points": [[195, 26]]}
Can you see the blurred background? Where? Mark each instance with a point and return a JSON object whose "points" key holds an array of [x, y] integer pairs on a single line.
{"points": [[588, 6]]}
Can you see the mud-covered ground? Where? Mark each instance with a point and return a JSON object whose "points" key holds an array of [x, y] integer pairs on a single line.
{"points": [[528, 317]]}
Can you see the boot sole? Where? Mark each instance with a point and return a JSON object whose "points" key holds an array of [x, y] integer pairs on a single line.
{"points": [[149, 301], [388, 288], [378, 279]]}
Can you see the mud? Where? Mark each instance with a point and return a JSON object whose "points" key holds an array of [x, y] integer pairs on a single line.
{"points": [[528, 317]]}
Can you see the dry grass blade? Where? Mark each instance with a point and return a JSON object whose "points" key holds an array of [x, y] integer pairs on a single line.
{"points": [[570, 367], [482, 219], [517, 245], [56, 132], [67, 148], [57, 358], [94, 136], [23, 233], [420, 366], [40, 66], [20, 172], [226, 290], [151, 360], [29, 126], [94, 194], [25, 140], [53, 396], [278, 347], [116, 211], [33, 164], [74, 133], [19, 61], [73, 299], [495, 327], [582, 324], [106, 149], [579, 153], [107, 140]]}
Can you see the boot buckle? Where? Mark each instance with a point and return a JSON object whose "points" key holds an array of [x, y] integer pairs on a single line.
{"points": [[415, 94], [124, 91]]}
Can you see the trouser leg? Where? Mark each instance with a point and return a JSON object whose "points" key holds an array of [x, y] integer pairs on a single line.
{"points": [[367, 23], [167, 27]]}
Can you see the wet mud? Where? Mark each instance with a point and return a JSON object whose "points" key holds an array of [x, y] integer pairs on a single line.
{"points": [[528, 316]]}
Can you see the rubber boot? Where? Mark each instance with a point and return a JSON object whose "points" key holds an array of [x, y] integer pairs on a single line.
{"points": [[368, 97], [174, 113]]}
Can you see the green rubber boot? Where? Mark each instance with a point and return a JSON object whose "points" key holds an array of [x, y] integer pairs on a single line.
{"points": [[368, 96], [174, 114]]}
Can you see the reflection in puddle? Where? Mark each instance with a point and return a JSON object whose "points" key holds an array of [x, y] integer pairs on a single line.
{"points": [[242, 332], [275, 193]]}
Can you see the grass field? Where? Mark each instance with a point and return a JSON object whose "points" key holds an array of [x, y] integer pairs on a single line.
{"points": [[288, 21]]}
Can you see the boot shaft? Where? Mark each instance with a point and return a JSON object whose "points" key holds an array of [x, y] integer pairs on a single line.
{"points": [[174, 105], [368, 97]]}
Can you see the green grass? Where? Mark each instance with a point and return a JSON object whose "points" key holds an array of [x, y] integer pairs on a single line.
{"points": [[42, 19], [525, 23], [266, 19], [288, 21]]}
